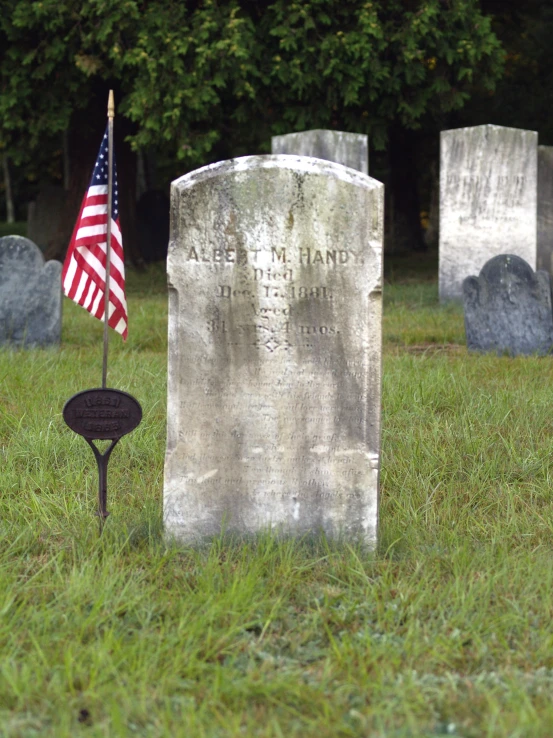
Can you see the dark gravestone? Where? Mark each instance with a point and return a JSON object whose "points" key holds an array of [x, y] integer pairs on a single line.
{"points": [[44, 215], [508, 308], [30, 295]]}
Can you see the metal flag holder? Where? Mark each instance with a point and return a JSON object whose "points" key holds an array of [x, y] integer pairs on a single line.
{"points": [[104, 414]]}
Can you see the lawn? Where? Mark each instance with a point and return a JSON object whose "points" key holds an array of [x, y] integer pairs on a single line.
{"points": [[444, 630]]}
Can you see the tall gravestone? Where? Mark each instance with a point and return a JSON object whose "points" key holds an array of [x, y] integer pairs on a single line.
{"points": [[30, 295], [341, 147], [275, 273], [545, 208], [488, 200]]}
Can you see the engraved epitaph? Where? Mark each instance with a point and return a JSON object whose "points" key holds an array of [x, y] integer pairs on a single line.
{"points": [[274, 267], [488, 200], [341, 147]]}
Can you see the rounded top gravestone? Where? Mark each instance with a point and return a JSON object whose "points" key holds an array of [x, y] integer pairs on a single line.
{"points": [[275, 274], [30, 295], [508, 308]]}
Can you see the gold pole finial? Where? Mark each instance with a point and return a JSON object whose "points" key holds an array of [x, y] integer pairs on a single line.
{"points": [[111, 105]]}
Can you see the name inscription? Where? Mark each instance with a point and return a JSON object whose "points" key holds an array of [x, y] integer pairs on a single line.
{"points": [[486, 197], [304, 256]]}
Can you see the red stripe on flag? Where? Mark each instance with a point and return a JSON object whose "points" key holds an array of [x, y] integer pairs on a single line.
{"points": [[85, 268]]}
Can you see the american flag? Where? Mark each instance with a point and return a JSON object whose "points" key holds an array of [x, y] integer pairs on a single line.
{"points": [[84, 270]]}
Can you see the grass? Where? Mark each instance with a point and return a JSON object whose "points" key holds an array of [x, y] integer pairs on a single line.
{"points": [[444, 630]]}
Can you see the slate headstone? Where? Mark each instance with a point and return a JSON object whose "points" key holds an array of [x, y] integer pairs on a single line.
{"points": [[30, 295], [341, 147], [508, 308], [545, 208], [275, 273], [488, 200]]}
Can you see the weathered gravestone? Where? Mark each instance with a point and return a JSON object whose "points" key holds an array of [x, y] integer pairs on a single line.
{"points": [[275, 270], [488, 200], [545, 208], [30, 295], [508, 308], [349, 149]]}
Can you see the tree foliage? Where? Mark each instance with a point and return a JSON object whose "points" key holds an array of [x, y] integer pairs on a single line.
{"points": [[194, 76], [524, 95]]}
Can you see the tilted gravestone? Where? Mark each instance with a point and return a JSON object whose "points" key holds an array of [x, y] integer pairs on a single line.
{"points": [[545, 208], [275, 271], [349, 149], [30, 295], [508, 308], [488, 200]]}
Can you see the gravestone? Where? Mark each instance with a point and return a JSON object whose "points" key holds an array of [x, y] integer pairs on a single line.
{"points": [[44, 215], [30, 295], [275, 273], [488, 200], [508, 308], [545, 208], [349, 149]]}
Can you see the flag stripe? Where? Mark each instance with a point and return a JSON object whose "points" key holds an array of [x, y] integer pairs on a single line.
{"points": [[97, 190], [117, 295], [91, 211], [91, 230]]}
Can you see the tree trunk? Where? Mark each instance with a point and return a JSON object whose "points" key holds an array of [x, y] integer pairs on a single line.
{"points": [[432, 235], [10, 210], [126, 175], [66, 162], [407, 230]]}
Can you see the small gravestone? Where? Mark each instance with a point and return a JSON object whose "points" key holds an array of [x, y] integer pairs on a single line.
{"points": [[488, 200], [349, 149], [30, 295], [275, 272], [508, 308], [545, 208]]}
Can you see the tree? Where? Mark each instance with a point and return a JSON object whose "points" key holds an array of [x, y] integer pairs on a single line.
{"points": [[203, 80], [524, 96]]}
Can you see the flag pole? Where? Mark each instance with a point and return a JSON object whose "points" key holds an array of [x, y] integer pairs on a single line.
{"points": [[111, 115]]}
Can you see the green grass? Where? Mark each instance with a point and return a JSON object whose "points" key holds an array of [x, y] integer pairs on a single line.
{"points": [[444, 630]]}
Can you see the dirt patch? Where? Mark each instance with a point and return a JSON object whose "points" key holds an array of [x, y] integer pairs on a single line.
{"points": [[428, 348]]}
